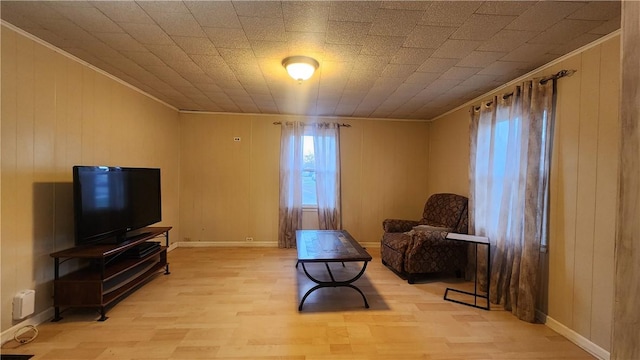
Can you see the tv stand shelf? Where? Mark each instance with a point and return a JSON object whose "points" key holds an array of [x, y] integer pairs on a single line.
{"points": [[110, 275]]}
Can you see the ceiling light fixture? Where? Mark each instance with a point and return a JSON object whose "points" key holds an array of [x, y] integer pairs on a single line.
{"points": [[300, 67]]}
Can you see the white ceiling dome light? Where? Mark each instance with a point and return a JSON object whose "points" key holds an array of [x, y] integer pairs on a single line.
{"points": [[300, 67]]}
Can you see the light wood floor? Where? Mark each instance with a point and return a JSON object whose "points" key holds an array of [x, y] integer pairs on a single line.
{"points": [[242, 303]]}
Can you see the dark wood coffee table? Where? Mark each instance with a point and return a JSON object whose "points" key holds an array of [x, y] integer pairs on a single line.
{"points": [[327, 246]]}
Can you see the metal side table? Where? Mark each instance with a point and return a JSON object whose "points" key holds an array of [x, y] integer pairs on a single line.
{"points": [[476, 240]]}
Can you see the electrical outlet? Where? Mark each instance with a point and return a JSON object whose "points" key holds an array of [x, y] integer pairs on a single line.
{"points": [[237, 138], [248, 239]]}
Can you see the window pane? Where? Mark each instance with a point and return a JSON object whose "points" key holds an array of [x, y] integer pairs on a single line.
{"points": [[309, 197]]}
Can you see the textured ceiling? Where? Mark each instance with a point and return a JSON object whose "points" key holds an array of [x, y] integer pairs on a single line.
{"points": [[396, 59]]}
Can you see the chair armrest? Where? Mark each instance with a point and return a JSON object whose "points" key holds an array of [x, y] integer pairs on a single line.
{"points": [[425, 239], [429, 238], [398, 225], [430, 251]]}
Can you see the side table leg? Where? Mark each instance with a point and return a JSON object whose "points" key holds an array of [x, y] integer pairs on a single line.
{"points": [[56, 316]]}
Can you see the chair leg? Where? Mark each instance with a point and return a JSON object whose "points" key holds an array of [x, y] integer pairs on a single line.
{"points": [[411, 279]]}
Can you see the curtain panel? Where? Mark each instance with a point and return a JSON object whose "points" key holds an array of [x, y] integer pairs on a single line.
{"points": [[511, 139], [326, 142], [291, 163]]}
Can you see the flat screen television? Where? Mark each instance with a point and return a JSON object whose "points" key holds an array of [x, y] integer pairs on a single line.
{"points": [[110, 203]]}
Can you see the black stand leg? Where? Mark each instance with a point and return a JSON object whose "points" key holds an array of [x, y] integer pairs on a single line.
{"points": [[56, 276], [57, 316], [103, 314]]}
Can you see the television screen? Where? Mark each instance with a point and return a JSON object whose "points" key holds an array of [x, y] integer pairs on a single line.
{"points": [[111, 201]]}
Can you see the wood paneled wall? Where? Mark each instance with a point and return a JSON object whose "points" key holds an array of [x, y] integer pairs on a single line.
{"points": [[583, 188], [229, 190], [449, 154], [57, 113], [227, 187], [384, 174], [584, 194]]}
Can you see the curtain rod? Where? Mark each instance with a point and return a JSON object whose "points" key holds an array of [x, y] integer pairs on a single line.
{"points": [[341, 125], [558, 75]]}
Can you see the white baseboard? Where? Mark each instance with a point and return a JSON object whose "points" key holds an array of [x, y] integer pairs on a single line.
{"points": [[34, 320], [370, 244], [246, 244], [227, 244], [577, 339]]}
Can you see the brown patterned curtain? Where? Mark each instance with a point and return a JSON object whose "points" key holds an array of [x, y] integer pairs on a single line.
{"points": [[511, 139]]}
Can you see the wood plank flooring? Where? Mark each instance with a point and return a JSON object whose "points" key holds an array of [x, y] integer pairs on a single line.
{"points": [[242, 303]]}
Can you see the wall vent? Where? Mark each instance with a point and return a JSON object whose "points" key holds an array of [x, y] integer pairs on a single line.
{"points": [[24, 304]]}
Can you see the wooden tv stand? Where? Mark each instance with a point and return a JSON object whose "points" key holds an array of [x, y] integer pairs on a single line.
{"points": [[111, 274]]}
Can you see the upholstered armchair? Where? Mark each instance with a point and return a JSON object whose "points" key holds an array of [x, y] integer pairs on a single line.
{"points": [[415, 247]]}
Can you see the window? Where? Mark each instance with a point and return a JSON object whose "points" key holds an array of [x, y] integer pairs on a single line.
{"points": [[496, 165], [309, 195]]}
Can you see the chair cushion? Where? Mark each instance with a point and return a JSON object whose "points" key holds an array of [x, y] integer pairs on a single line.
{"points": [[463, 224], [444, 210]]}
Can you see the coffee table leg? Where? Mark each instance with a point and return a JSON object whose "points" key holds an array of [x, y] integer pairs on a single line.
{"points": [[366, 304], [333, 283], [307, 294]]}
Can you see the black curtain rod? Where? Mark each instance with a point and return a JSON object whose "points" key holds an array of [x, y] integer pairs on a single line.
{"points": [[558, 75], [306, 124]]}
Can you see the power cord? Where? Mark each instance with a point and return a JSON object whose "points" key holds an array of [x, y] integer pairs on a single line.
{"points": [[24, 330]]}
